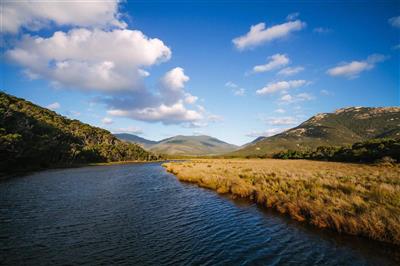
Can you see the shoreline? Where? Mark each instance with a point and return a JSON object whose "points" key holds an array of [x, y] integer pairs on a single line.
{"points": [[375, 219], [22, 173]]}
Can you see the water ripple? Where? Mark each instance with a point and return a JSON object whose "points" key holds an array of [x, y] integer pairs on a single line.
{"points": [[141, 215]]}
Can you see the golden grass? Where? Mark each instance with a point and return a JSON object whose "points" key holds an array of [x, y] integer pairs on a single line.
{"points": [[348, 198]]}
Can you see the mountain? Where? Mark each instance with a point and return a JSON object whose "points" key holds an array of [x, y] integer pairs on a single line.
{"points": [[33, 137], [254, 141], [343, 127], [135, 139], [192, 145]]}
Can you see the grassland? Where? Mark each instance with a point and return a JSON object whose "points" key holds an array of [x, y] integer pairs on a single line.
{"points": [[348, 198]]}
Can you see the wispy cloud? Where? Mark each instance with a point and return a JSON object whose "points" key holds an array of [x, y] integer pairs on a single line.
{"points": [[281, 121], [236, 90], [274, 62], [130, 129], [322, 30], [301, 97], [260, 34], [281, 86], [267, 133], [289, 71], [355, 68], [395, 21], [54, 106], [107, 121]]}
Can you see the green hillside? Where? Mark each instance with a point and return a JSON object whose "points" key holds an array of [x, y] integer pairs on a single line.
{"points": [[343, 127], [135, 139], [192, 145], [33, 137]]}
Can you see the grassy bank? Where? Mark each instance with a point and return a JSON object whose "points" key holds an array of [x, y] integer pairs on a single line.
{"points": [[348, 198]]}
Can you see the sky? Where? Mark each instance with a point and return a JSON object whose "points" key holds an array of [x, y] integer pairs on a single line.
{"points": [[234, 70]]}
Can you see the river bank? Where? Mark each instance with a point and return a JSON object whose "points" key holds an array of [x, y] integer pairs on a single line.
{"points": [[355, 199]]}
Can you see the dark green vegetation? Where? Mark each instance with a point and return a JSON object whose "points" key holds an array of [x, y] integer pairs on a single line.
{"points": [[343, 127], [182, 145], [135, 139], [375, 150], [32, 137]]}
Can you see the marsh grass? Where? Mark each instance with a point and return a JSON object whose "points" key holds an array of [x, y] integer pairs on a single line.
{"points": [[348, 198]]}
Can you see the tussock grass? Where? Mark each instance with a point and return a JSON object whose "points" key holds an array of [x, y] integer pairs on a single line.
{"points": [[348, 198]]}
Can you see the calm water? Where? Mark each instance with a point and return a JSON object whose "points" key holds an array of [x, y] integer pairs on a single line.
{"points": [[141, 215]]}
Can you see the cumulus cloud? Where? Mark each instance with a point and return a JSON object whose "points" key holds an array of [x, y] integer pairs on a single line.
{"points": [[281, 86], [90, 59], [168, 105], [53, 106], [289, 71], [395, 21], [34, 15], [175, 79], [275, 61], [259, 34], [354, 68]]}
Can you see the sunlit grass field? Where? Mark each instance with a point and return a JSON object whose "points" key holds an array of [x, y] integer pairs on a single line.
{"points": [[355, 199]]}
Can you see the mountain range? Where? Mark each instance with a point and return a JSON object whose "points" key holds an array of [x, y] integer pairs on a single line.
{"points": [[343, 127], [182, 145]]}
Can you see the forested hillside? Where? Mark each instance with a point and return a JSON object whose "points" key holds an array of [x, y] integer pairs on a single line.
{"points": [[32, 137]]}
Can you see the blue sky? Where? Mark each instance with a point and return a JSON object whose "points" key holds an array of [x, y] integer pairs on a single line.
{"points": [[159, 69]]}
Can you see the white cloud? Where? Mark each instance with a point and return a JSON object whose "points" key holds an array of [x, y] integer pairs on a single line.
{"points": [[280, 111], [395, 21], [259, 34], [190, 99], [288, 71], [53, 106], [275, 61], [354, 68], [175, 79], [239, 92], [166, 106], [280, 86], [281, 121], [91, 59], [267, 133], [230, 84], [34, 15], [301, 97], [322, 30], [396, 47], [215, 118], [107, 121], [325, 92], [168, 114]]}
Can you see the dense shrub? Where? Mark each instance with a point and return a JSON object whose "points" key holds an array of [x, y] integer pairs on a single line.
{"points": [[375, 150]]}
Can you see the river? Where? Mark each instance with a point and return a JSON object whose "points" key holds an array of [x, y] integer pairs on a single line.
{"points": [[137, 214]]}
